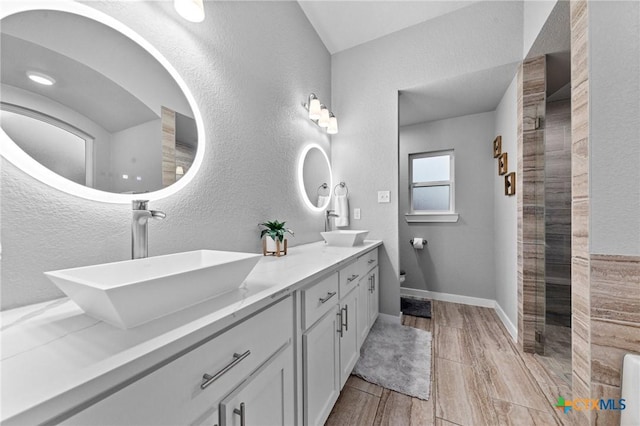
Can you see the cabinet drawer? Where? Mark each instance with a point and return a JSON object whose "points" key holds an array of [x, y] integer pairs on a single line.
{"points": [[318, 299], [173, 395], [367, 262], [349, 277]]}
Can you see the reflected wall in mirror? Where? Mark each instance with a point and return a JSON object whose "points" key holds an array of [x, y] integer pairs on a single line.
{"points": [[315, 178], [92, 105]]}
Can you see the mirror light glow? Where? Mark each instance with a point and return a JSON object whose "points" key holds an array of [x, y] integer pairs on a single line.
{"points": [[303, 192], [23, 161], [191, 10]]}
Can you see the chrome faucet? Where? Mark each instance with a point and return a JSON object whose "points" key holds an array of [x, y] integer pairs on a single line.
{"points": [[327, 222], [139, 227]]}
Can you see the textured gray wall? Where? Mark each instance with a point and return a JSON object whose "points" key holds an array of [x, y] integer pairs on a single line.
{"points": [[365, 82], [458, 258], [614, 120], [505, 215], [249, 65]]}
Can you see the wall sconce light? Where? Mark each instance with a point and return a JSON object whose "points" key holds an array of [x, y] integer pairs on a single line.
{"points": [[332, 129], [191, 10], [314, 107], [179, 170], [320, 114], [323, 121]]}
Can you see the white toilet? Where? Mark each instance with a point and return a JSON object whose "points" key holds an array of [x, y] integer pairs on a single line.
{"points": [[630, 416]]}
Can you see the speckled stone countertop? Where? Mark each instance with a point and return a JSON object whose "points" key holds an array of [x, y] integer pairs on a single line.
{"points": [[54, 357]]}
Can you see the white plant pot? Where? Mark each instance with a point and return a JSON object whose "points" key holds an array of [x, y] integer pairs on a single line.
{"points": [[271, 247], [271, 244]]}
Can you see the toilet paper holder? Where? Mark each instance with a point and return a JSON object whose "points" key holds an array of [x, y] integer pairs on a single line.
{"points": [[424, 239]]}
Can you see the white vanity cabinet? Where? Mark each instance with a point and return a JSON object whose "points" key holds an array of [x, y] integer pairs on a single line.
{"points": [[335, 319], [330, 345], [189, 389], [276, 352]]}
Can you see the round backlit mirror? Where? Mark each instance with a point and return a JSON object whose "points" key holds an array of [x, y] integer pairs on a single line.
{"points": [[315, 178], [91, 108]]}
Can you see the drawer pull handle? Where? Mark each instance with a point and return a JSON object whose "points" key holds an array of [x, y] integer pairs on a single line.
{"points": [[208, 379], [353, 277], [371, 261], [327, 297], [345, 324], [371, 284], [241, 413], [340, 322]]}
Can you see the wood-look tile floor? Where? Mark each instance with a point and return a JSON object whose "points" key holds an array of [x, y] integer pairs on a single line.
{"points": [[478, 378], [557, 352]]}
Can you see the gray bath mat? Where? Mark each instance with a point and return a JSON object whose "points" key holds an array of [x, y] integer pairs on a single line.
{"points": [[397, 357], [415, 307]]}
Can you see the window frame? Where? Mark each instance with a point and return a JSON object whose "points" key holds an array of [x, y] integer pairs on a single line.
{"points": [[450, 182]]}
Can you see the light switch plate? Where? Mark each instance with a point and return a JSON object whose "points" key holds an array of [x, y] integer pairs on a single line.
{"points": [[356, 214], [384, 197]]}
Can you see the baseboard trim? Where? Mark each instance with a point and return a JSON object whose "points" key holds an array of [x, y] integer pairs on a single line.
{"points": [[512, 329], [391, 319], [447, 297], [465, 300]]}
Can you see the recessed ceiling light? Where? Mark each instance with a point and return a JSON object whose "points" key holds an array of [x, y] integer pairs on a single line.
{"points": [[41, 78]]}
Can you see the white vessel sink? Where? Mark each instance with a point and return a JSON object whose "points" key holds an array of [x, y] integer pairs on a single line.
{"points": [[132, 292], [344, 238]]}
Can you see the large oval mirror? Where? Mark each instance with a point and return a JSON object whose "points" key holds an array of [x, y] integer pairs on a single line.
{"points": [[315, 178], [92, 108]]}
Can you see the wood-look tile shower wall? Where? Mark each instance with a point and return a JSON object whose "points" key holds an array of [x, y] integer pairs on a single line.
{"points": [[605, 288], [580, 257], [530, 200], [557, 189]]}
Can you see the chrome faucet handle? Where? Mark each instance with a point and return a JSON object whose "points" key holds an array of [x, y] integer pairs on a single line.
{"points": [[139, 233], [140, 204]]}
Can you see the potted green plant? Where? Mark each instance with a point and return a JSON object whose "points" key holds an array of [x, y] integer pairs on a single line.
{"points": [[275, 242]]}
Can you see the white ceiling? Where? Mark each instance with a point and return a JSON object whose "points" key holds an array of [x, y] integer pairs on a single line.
{"points": [[345, 24], [457, 96]]}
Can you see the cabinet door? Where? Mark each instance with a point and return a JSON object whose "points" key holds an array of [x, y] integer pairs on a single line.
{"points": [[374, 297], [362, 321], [321, 366], [265, 398], [349, 352]]}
